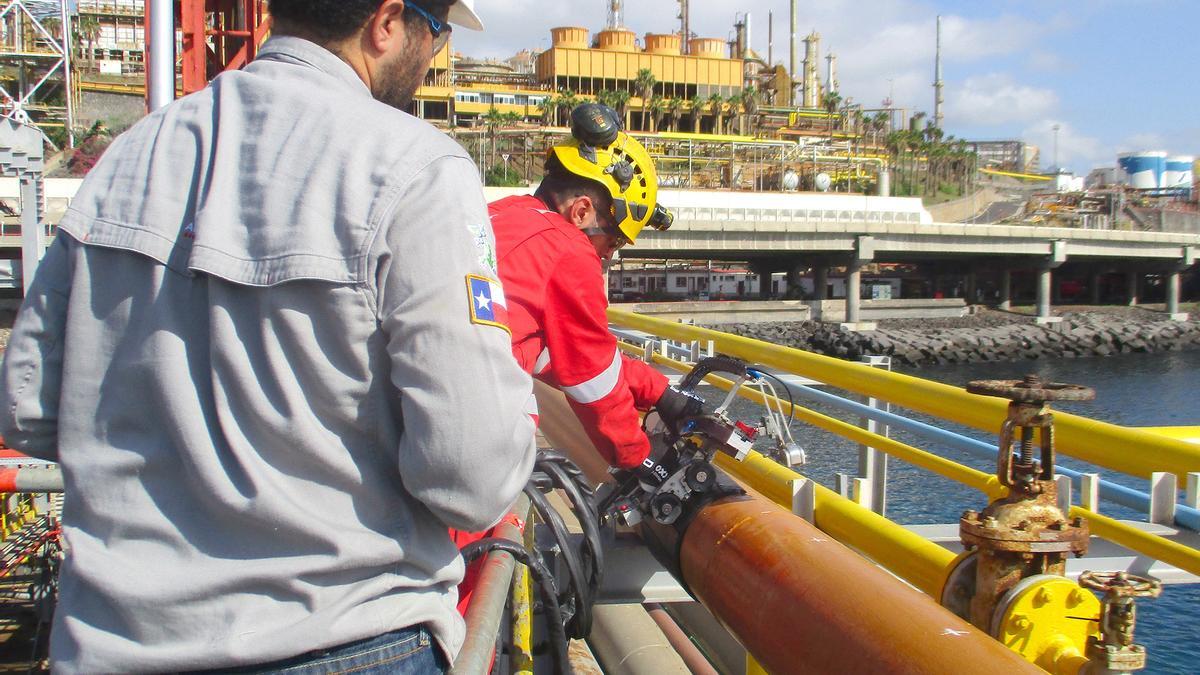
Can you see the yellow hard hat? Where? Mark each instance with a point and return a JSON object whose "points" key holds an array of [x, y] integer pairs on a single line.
{"points": [[600, 152]]}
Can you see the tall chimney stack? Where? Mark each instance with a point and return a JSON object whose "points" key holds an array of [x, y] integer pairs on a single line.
{"points": [[792, 42], [937, 79]]}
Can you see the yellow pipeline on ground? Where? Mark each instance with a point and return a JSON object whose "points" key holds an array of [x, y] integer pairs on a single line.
{"points": [[1132, 451], [1027, 176]]}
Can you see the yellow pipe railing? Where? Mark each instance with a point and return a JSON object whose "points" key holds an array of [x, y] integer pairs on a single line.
{"points": [[885, 542], [911, 557], [1132, 451]]}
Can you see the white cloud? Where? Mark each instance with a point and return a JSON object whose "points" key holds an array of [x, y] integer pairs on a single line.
{"points": [[995, 99], [1143, 141]]}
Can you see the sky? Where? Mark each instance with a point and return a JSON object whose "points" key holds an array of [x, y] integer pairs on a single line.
{"points": [[1113, 75]]}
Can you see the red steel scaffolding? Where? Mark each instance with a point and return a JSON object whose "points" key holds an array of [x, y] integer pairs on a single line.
{"points": [[218, 35]]}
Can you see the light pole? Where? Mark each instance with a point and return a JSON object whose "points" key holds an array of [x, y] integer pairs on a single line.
{"points": [[1055, 128]]}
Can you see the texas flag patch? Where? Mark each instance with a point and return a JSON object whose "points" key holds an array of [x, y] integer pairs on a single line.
{"points": [[488, 306]]}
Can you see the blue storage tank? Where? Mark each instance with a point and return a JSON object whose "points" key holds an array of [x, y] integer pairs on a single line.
{"points": [[1143, 170], [1178, 173]]}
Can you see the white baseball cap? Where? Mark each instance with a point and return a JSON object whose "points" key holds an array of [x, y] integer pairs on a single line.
{"points": [[462, 13]]}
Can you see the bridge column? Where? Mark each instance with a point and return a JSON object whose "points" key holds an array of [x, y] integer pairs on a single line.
{"points": [[970, 285], [864, 252], [1045, 289], [764, 284], [853, 291], [1005, 290], [821, 282], [1133, 287], [1094, 287], [1172, 282], [794, 287], [1045, 283]]}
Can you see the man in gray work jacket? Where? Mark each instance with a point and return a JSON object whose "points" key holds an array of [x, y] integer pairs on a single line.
{"points": [[267, 347]]}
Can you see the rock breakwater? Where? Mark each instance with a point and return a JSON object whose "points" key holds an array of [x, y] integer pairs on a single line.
{"points": [[986, 336]]}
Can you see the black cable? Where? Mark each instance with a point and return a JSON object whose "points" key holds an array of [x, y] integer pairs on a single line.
{"points": [[545, 582], [593, 555], [582, 598]]}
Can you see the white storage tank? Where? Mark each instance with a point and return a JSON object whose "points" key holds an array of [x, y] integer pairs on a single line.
{"points": [[1178, 173], [1143, 170]]}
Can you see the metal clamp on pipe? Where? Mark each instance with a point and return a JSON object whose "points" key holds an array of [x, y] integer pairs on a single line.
{"points": [[678, 479]]}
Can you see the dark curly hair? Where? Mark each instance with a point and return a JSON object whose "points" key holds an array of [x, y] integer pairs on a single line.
{"points": [[329, 21]]}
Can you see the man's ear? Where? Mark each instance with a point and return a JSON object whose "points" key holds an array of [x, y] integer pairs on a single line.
{"points": [[385, 27], [579, 210]]}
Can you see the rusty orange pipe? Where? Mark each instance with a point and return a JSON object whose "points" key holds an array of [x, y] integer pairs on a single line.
{"points": [[801, 602]]}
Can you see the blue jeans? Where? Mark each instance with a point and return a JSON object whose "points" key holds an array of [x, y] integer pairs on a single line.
{"points": [[408, 651]]}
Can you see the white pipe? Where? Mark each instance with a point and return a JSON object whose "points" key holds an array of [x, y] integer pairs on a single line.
{"points": [[160, 54]]}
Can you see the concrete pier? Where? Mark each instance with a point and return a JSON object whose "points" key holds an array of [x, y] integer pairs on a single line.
{"points": [[853, 292], [1133, 287], [1006, 289], [821, 282], [1044, 292], [1172, 284]]}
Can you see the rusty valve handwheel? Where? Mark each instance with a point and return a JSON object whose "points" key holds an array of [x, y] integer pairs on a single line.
{"points": [[1121, 584], [1032, 390]]}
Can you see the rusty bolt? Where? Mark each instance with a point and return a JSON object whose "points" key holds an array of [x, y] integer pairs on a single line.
{"points": [[1077, 522], [970, 514], [1023, 525], [1058, 525], [991, 523]]}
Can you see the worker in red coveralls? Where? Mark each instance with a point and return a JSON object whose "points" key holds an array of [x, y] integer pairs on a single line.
{"points": [[598, 192]]}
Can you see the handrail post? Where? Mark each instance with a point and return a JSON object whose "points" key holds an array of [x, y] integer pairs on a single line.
{"points": [[1162, 498], [872, 464], [1089, 492]]}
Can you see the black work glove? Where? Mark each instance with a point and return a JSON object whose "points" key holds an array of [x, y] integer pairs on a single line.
{"points": [[676, 404]]}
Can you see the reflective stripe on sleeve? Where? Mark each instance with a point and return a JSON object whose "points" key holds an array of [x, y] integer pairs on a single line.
{"points": [[599, 386], [542, 363]]}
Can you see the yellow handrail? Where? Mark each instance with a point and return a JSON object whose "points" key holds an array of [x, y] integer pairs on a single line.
{"points": [[918, 561], [913, 558], [1132, 451]]}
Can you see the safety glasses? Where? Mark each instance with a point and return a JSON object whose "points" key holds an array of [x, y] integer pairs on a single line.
{"points": [[440, 30]]}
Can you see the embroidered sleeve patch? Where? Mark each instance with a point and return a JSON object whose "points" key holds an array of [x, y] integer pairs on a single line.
{"points": [[488, 306]]}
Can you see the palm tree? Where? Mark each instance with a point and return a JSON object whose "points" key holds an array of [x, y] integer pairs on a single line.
{"points": [[547, 108], [832, 101], [656, 107], [644, 83], [749, 101], [567, 100], [87, 27], [697, 105], [493, 119], [675, 110], [717, 102], [620, 103]]}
